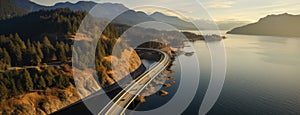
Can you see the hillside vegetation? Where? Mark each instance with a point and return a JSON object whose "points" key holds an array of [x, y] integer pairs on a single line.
{"points": [[35, 58], [57, 23]]}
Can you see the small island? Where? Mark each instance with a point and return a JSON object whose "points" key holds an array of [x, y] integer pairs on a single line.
{"points": [[195, 37]]}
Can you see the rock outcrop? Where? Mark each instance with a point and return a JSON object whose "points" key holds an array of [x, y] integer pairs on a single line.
{"points": [[128, 62], [163, 92], [40, 102]]}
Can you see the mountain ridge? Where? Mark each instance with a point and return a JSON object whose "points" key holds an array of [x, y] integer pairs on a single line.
{"points": [[173, 20], [129, 17], [285, 24]]}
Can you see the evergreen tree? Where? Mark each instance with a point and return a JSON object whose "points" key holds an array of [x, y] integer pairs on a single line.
{"points": [[19, 41], [48, 50], [19, 85], [68, 51], [28, 44], [13, 87], [35, 59], [6, 57], [62, 81], [15, 54], [39, 82], [49, 77], [61, 53], [6, 60], [47, 42], [3, 91], [27, 81], [39, 50], [27, 54]]}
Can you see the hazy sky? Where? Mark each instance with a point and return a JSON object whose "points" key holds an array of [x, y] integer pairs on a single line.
{"points": [[220, 10]]}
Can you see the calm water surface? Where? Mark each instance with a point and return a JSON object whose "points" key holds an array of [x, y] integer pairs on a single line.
{"points": [[263, 77]]}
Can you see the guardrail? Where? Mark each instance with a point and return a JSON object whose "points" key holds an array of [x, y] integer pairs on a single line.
{"points": [[122, 100]]}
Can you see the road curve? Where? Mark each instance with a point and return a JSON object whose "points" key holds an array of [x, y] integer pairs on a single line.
{"points": [[123, 99]]}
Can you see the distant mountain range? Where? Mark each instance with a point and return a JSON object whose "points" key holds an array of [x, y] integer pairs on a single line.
{"points": [[272, 25], [130, 17], [31, 6], [173, 20]]}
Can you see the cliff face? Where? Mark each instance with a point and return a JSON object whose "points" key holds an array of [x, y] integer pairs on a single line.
{"points": [[272, 25], [52, 99], [128, 62]]}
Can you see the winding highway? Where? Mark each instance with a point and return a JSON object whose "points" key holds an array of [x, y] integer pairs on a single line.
{"points": [[124, 98], [121, 97]]}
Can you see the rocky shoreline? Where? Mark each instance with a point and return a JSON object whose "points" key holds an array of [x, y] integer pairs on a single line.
{"points": [[160, 81]]}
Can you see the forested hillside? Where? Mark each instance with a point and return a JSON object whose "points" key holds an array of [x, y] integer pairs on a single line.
{"points": [[8, 10], [57, 23]]}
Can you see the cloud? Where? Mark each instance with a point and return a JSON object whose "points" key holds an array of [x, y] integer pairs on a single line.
{"points": [[220, 3]]}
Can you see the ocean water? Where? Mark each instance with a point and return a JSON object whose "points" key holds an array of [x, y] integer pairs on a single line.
{"points": [[263, 77]]}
